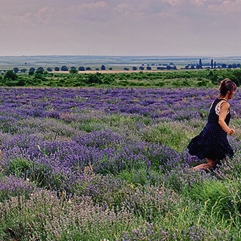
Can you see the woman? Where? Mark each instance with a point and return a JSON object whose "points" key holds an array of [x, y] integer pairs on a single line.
{"points": [[212, 142]]}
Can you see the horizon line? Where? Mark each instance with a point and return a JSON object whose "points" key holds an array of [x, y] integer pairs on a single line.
{"points": [[139, 56]]}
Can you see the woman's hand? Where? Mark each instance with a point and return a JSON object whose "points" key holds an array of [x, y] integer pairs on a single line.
{"points": [[231, 132]]}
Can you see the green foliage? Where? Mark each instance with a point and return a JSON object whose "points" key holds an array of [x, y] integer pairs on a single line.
{"points": [[221, 199], [171, 78], [140, 79], [135, 176], [94, 78], [73, 71], [10, 78], [10, 75], [37, 173], [172, 134], [217, 75], [204, 83], [19, 166]]}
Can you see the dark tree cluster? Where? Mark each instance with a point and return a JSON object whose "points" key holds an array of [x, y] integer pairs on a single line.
{"points": [[212, 65]]}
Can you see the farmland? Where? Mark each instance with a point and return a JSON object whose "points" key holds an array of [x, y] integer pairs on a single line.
{"points": [[111, 164], [116, 62]]}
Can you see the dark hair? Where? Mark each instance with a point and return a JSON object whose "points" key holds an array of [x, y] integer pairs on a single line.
{"points": [[227, 85]]}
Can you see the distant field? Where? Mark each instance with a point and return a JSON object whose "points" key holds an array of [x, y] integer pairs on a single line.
{"points": [[117, 63]]}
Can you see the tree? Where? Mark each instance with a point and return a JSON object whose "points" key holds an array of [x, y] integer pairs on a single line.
{"points": [[40, 70], [160, 68], [64, 68], [200, 64], [81, 68], [10, 75], [15, 70], [31, 71], [73, 71], [224, 66], [211, 63]]}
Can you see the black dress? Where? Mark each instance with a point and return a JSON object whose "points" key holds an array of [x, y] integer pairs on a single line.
{"points": [[212, 142]]}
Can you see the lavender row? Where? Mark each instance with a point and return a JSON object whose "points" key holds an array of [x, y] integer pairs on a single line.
{"points": [[155, 103]]}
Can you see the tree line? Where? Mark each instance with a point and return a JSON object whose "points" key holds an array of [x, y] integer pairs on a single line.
{"points": [[171, 66], [212, 65]]}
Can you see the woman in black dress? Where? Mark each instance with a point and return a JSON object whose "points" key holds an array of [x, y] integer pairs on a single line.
{"points": [[212, 142]]}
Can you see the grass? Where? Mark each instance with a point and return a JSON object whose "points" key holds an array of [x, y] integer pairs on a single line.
{"points": [[173, 134]]}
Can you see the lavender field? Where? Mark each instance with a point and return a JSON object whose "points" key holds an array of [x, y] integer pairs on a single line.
{"points": [[111, 164]]}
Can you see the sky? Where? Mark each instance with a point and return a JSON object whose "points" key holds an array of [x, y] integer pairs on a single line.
{"points": [[120, 27]]}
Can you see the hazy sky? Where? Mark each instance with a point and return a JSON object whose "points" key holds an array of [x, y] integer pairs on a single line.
{"points": [[120, 27]]}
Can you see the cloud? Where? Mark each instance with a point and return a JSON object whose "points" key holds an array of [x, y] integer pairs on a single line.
{"points": [[94, 11], [43, 16], [47, 13], [174, 2], [226, 7], [119, 26]]}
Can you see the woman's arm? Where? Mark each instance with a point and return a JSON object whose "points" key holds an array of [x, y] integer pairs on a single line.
{"points": [[221, 120]]}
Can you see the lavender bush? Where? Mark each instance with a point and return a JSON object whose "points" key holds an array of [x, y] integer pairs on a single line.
{"points": [[112, 164]]}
